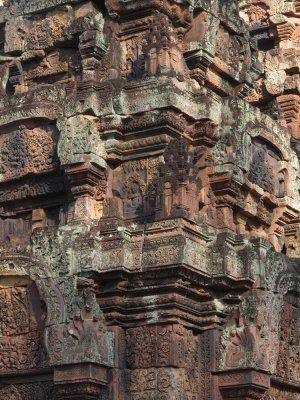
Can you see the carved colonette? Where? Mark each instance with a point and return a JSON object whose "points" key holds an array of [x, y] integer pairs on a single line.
{"points": [[149, 200]]}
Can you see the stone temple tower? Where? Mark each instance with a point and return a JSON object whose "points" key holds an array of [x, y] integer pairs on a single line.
{"points": [[149, 200]]}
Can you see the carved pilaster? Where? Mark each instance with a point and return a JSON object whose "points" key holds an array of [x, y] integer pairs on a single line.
{"points": [[289, 108], [81, 352]]}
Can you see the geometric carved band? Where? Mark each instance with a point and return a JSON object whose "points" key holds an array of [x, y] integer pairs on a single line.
{"points": [[81, 381], [247, 384]]}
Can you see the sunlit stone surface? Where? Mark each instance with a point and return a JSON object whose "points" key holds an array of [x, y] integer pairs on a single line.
{"points": [[149, 200]]}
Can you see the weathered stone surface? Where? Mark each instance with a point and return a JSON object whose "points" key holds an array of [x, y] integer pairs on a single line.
{"points": [[149, 200]]}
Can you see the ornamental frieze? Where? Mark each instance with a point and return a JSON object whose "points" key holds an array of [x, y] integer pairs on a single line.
{"points": [[149, 200]]}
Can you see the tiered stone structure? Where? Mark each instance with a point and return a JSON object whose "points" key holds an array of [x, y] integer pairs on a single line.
{"points": [[149, 200]]}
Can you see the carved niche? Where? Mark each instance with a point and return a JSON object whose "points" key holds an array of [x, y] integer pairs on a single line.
{"points": [[133, 58], [163, 53], [131, 182], [229, 48], [21, 326], [251, 339], [85, 339], [265, 169], [174, 190], [257, 12]]}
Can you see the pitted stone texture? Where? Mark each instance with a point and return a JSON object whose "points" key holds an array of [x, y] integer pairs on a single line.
{"points": [[149, 199]]}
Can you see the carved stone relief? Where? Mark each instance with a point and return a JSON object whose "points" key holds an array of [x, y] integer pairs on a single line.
{"points": [[20, 329], [26, 151], [149, 199]]}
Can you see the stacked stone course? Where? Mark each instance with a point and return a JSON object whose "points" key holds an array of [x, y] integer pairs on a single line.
{"points": [[149, 200]]}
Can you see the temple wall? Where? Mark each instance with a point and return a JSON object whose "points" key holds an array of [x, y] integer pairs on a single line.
{"points": [[149, 200]]}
